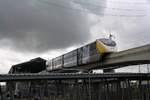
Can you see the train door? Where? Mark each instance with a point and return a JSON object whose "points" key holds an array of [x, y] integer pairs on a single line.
{"points": [[79, 56]]}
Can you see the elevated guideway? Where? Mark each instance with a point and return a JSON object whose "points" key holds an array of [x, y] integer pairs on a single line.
{"points": [[134, 56], [72, 76]]}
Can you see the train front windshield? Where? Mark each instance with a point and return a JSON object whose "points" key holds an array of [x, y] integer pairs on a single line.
{"points": [[108, 42]]}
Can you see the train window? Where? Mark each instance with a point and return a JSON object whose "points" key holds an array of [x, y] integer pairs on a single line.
{"points": [[70, 54], [92, 46], [93, 49], [108, 42], [86, 50], [70, 57], [57, 62], [80, 50]]}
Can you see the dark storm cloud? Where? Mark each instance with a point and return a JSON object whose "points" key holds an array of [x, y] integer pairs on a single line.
{"points": [[35, 25]]}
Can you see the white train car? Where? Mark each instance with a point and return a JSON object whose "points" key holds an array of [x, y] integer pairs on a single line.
{"points": [[90, 53]]}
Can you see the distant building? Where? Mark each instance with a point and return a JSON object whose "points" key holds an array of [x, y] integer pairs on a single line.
{"points": [[21, 89], [33, 66]]}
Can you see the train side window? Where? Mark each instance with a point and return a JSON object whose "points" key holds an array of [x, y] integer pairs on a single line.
{"points": [[86, 50], [93, 49]]}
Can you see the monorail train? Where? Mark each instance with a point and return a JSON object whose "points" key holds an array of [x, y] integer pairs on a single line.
{"points": [[90, 53]]}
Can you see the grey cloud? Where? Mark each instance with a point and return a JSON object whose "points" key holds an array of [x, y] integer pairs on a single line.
{"points": [[94, 6], [128, 33], [38, 26]]}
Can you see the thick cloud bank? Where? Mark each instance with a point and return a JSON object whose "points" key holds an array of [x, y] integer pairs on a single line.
{"points": [[35, 25], [38, 26]]}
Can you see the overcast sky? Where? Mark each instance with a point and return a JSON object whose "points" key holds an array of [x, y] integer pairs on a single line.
{"points": [[48, 28]]}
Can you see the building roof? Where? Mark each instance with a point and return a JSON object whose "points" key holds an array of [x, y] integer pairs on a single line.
{"points": [[32, 66]]}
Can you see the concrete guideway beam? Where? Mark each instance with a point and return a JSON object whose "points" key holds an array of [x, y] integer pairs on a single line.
{"points": [[134, 56]]}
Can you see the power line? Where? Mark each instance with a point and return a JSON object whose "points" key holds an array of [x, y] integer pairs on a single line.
{"points": [[87, 11], [119, 2], [127, 2], [100, 6], [112, 8]]}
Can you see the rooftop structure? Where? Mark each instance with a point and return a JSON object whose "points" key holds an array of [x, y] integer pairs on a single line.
{"points": [[32, 66]]}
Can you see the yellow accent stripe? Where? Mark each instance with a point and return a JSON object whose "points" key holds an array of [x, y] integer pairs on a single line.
{"points": [[100, 47]]}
